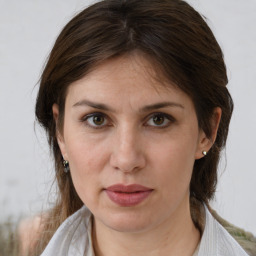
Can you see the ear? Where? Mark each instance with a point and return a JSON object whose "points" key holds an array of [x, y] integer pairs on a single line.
{"points": [[205, 143], [59, 134]]}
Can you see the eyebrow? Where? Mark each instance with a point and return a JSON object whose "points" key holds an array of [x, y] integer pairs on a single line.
{"points": [[146, 108], [161, 105], [96, 105]]}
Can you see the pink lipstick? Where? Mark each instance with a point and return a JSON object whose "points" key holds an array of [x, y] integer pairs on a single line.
{"points": [[130, 195]]}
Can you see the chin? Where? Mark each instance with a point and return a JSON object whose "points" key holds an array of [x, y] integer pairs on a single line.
{"points": [[128, 222]]}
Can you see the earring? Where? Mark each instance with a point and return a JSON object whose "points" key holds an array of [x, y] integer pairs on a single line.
{"points": [[204, 153], [66, 166]]}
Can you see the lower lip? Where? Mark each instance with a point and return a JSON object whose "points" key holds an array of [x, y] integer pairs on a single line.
{"points": [[128, 199]]}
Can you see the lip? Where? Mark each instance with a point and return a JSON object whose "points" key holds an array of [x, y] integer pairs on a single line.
{"points": [[128, 195]]}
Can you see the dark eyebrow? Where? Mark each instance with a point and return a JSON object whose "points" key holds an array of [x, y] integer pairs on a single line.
{"points": [[93, 105], [147, 108], [161, 105]]}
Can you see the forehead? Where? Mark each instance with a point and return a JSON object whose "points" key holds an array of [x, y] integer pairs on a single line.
{"points": [[130, 77], [130, 67]]}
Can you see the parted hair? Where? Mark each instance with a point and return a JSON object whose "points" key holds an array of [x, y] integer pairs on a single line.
{"points": [[177, 41]]}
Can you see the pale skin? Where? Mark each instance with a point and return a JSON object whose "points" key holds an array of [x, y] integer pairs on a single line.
{"points": [[121, 126], [28, 233]]}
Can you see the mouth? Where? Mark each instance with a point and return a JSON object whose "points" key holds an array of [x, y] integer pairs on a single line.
{"points": [[128, 196]]}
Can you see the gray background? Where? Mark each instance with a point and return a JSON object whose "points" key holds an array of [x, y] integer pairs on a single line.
{"points": [[27, 32]]}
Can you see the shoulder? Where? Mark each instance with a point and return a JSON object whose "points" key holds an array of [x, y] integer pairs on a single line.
{"points": [[73, 235], [29, 232], [217, 241], [245, 239], [227, 245]]}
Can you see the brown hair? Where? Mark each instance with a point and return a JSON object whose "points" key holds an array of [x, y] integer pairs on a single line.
{"points": [[172, 35]]}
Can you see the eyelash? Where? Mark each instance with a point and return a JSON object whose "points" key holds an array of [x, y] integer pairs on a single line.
{"points": [[97, 114], [167, 118]]}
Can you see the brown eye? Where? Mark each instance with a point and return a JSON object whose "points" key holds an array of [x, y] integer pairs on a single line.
{"points": [[158, 120], [98, 120]]}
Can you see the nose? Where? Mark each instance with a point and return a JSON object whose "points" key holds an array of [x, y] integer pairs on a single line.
{"points": [[128, 153]]}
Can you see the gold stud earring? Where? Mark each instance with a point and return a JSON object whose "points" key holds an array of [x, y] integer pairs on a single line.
{"points": [[204, 153]]}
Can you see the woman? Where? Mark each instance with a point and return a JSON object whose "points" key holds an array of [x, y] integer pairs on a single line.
{"points": [[134, 102]]}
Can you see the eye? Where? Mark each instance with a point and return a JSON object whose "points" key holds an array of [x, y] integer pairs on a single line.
{"points": [[95, 120], [160, 120]]}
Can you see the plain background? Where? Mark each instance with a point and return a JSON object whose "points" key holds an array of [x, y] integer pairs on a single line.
{"points": [[28, 30]]}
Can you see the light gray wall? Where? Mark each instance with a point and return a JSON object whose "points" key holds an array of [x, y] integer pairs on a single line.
{"points": [[27, 32]]}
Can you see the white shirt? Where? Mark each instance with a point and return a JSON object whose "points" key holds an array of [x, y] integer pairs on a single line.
{"points": [[73, 238]]}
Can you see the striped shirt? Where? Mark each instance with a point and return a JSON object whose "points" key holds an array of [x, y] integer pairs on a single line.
{"points": [[73, 238]]}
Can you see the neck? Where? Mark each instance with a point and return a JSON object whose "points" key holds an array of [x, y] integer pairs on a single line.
{"points": [[176, 236]]}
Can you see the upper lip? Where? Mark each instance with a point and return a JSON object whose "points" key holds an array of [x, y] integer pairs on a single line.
{"points": [[128, 188]]}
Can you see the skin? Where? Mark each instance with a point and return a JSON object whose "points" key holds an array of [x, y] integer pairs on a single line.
{"points": [[134, 144]]}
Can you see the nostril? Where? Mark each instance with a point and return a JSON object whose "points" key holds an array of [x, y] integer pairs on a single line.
{"points": [[127, 163]]}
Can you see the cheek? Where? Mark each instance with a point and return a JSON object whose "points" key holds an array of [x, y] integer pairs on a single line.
{"points": [[87, 160], [84, 151], [174, 162]]}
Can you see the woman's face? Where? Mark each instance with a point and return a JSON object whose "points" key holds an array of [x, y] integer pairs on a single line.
{"points": [[131, 143]]}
